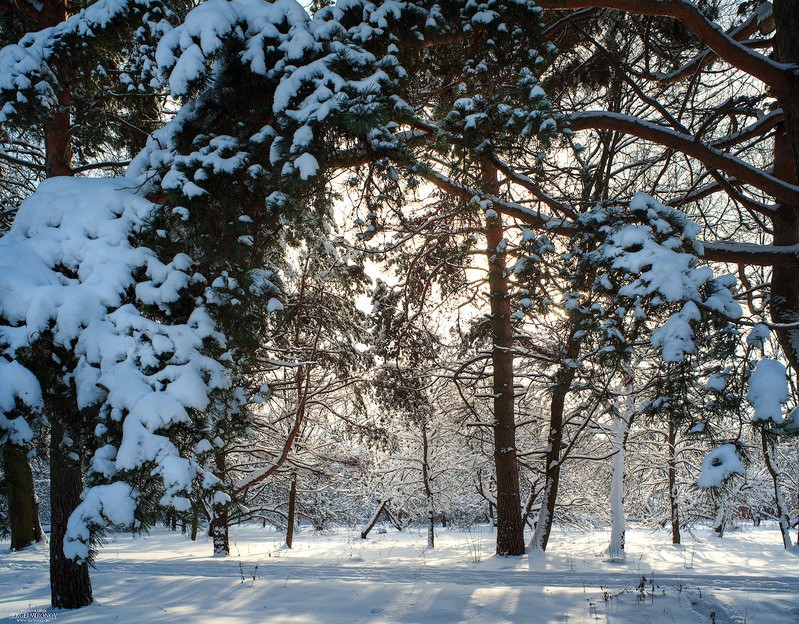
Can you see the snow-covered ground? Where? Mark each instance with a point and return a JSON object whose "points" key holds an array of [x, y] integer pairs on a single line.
{"points": [[745, 577]]}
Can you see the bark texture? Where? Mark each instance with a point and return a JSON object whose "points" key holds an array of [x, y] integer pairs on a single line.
{"points": [[22, 504], [784, 304], [510, 528], [57, 140], [219, 529], [292, 508], [552, 457], [70, 587]]}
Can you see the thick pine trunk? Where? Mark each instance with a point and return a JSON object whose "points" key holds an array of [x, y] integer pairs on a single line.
{"points": [[510, 528], [784, 305], [786, 21], [674, 506], [220, 533], [22, 504], [292, 508], [57, 141], [70, 587]]}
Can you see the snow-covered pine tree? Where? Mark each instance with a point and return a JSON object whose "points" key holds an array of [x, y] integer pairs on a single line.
{"points": [[68, 94]]}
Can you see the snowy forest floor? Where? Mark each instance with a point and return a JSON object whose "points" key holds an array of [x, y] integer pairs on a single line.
{"points": [[745, 578]]}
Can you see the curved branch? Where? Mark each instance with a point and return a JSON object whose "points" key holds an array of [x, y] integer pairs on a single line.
{"points": [[750, 254], [758, 128], [779, 76], [526, 215], [690, 146], [762, 21]]}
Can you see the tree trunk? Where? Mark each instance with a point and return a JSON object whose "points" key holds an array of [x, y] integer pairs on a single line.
{"points": [[783, 515], [195, 525], [218, 528], [784, 305], [70, 587], [528, 506], [721, 514], [373, 521], [395, 519], [552, 458], [510, 528], [220, 533], [22, 504], [57, 141], [622, 421], [197, 507], [292, 506], [674, 507], [428, 490], [786, 22]]}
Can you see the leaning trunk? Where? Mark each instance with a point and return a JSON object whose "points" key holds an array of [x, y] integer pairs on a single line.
{"points": [[552, 457], [783, 515], [373, 521], [22, 504]]}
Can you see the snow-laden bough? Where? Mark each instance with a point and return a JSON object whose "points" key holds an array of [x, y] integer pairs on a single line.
{"points": [[70, 269]]}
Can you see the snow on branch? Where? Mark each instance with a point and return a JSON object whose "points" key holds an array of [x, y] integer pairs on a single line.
{"points": [[647, 254], [26, 68], [751, 253], [777, 75], [762, 20], [72, 275], [20, 386], [708, 155], [719, 465], [328, 81], [768, 390]]}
